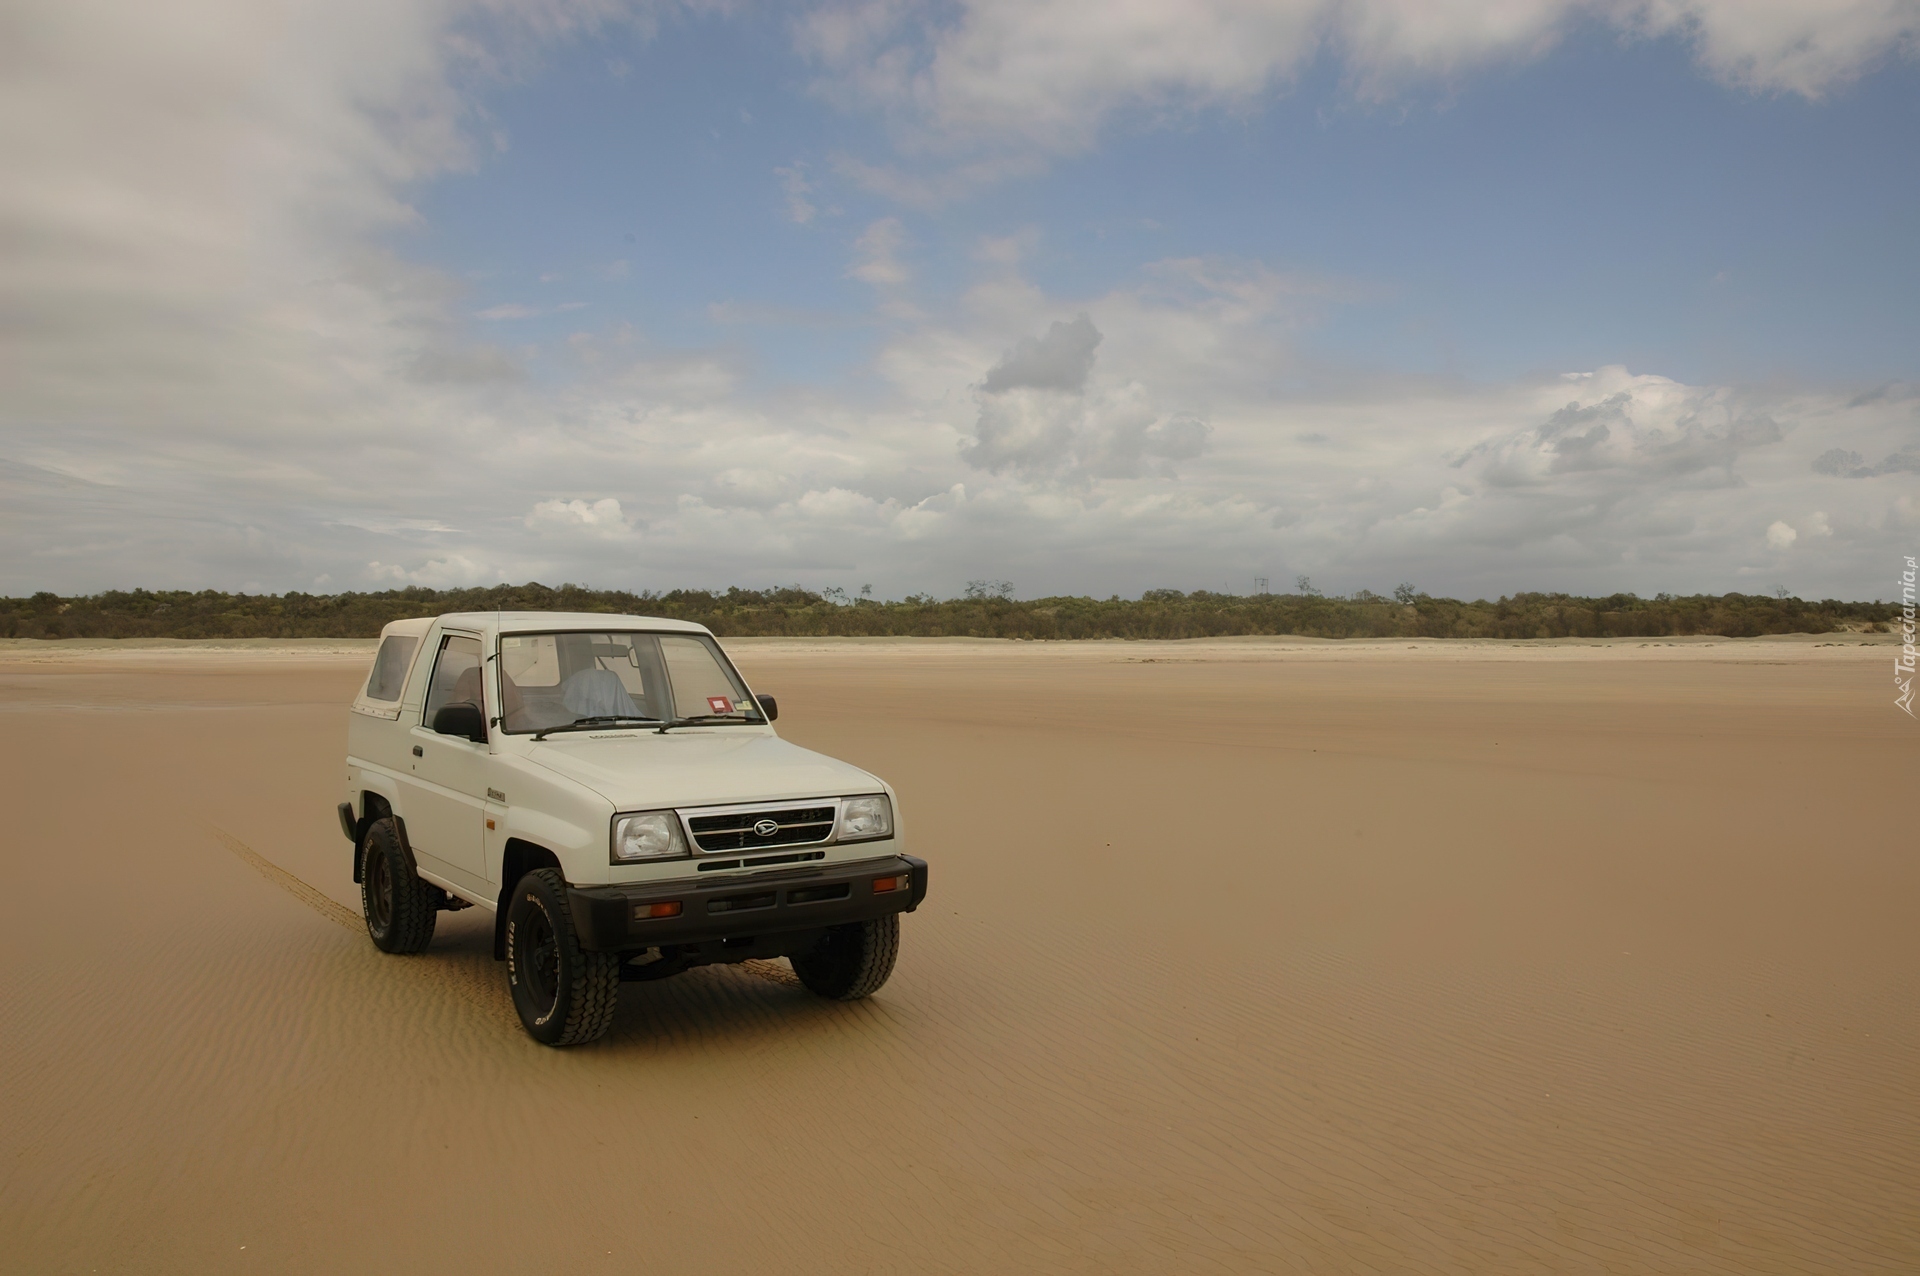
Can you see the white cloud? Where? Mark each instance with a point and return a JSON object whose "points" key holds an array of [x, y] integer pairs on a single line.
{"points": [[1115, 434], [193, 204], [1781, 536], [440, 573], [877, 254], [1007, 250], [1012, 80], [1651, 428], [225, 383], [1793, 46], [798, 190], [1038, 418], [1060, 359], [507, 310], [189, 200], [602, 518], [1846, 463]]}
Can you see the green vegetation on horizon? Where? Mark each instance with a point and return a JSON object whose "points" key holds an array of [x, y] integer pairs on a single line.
{"points": [[984, 613]]}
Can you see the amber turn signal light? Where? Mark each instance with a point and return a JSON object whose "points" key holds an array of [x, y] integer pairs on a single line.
{"points": [[641, 912], [881, 885]]}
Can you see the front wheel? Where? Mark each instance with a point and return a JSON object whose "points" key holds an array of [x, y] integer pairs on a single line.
{"points": [[853, 960], [565, 995]]}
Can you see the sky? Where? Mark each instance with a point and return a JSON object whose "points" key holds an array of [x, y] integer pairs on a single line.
{"points": [[1575, 295]]}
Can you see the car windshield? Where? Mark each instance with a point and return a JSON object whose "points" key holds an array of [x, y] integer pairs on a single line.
{"points": [[555, 680]]}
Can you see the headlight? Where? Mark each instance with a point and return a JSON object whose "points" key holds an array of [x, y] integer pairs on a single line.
{"points": [[863, 818], [652, 835]]}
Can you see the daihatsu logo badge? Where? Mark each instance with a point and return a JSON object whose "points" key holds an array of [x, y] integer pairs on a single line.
{"points": [[766, 828]]}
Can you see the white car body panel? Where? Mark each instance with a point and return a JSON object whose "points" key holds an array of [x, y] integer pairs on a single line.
{"points": [[694, 767]]}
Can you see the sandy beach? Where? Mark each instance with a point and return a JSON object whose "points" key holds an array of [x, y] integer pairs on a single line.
{"points": [[1240, 956]]}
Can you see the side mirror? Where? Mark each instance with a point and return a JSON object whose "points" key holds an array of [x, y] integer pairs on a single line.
{"points": [[768, 706], [462, 719]]}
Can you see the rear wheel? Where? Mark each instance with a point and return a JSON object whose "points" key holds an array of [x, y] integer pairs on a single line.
{"points": [[565, 994], [853, 960], [398, 906]]}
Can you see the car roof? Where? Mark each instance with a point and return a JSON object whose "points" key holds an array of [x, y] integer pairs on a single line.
{"points": [[523, 621], [412, 627]]}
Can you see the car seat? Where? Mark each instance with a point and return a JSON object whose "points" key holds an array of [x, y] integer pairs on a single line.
{"points": [[597, 693]]}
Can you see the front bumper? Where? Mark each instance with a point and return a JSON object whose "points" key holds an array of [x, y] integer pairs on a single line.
{"points": [[751, 905]]}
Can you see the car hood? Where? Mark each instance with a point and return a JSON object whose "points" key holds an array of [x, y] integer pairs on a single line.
{"points": [[698, 768]]}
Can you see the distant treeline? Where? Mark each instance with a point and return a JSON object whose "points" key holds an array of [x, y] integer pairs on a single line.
{"points": [[1160, 613]]}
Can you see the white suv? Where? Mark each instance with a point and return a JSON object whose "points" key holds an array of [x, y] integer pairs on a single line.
{"points": [[614, 792]]}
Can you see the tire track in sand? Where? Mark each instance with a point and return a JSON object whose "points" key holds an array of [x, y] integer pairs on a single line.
{"points": [[334, 911], [318, 901], [460, 980]]}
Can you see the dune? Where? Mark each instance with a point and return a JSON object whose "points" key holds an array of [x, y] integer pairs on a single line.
{"points": [[1241, 956]]}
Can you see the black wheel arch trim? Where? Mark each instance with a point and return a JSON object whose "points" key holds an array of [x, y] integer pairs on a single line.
{"points": [[374, 808], [518, 858]]}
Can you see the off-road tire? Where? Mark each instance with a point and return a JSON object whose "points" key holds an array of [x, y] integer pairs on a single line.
{"points": [[853, 960], [398, 906], [565, 994]]}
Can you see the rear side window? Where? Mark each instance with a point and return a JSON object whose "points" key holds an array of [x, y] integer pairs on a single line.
{"points": [[390, 667]]}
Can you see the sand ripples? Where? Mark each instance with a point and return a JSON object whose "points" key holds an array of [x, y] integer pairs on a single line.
{"points": [[1411, 1004]]}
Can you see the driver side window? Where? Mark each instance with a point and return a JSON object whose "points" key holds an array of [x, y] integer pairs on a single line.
{"points": [[456, 676]]}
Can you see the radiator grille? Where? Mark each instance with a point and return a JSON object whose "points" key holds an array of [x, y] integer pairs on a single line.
{"points": [[740, 831]]}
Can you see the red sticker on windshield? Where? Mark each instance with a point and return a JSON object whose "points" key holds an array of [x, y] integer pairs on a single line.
{"points": [[719, 704]]}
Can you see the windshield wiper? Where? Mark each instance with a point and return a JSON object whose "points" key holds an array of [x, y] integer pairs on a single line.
{"points": [[699, 718], [601, 721]]}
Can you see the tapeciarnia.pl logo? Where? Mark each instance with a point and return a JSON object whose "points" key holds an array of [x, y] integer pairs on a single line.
{"points": [[1903, 663]]}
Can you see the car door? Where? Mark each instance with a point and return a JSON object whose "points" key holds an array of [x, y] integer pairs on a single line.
{"points": [[447, 784]]}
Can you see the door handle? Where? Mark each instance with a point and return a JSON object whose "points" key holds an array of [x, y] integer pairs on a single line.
{"points": [[418, 752]]}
